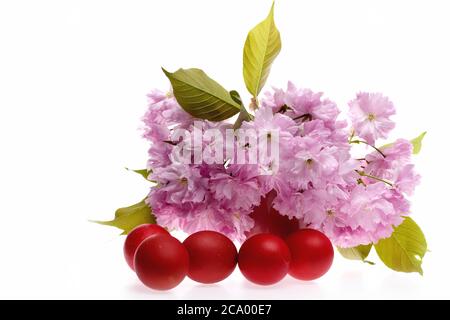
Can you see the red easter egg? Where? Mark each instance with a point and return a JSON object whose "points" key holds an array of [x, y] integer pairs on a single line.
{"points": [[135, 238], [264, 259], [161, 262], [268, 220], [311, 254], [212, 256]]}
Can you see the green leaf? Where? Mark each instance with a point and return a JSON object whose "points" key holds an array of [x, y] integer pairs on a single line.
{"points": [[417, 143], [356, 253], [143, 172], [405, 249], [130, 217], [243, 115], [201, 96], [236, 97], [262, 46]]}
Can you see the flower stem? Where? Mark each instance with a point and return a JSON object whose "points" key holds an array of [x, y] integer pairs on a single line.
{"points": [[363, 174], [365, 142], [305, 117], [254, 104], [351, 136], [284, 108], [170, 142]]}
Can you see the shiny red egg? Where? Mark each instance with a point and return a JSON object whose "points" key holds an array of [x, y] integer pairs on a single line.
{"points": [[212, 256], [161, 262], [135, 238], [311, 254], [264, 259]]}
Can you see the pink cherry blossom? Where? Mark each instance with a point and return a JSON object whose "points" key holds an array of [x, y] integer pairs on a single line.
{"points": [[315, 179], [237, 190], [367, 216], [394, 156], [180, 184], [165, 110], [370, 115]]}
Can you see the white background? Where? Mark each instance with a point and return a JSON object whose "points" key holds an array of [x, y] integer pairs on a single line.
{"points": [[73, 80]]}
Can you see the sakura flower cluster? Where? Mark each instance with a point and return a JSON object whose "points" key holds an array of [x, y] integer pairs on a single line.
{"points": [[317, 177]]}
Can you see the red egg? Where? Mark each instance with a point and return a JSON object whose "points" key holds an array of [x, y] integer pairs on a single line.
{"points": [[264, 259], [161, 262], [212, 256], [268, 220], [135, 238], [311, 254]]}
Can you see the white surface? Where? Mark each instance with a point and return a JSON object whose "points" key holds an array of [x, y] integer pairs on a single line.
{"points": [[73, 79]]}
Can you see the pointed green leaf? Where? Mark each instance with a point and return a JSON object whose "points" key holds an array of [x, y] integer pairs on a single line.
{"points": [[417, 143], [405, 249], [356, 253], [143, 172], [262, 46], [236, 97], [130, 217], [201, 96]]}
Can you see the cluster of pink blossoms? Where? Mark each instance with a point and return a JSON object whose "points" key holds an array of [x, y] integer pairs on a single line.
{"points": [[353, 200]]}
